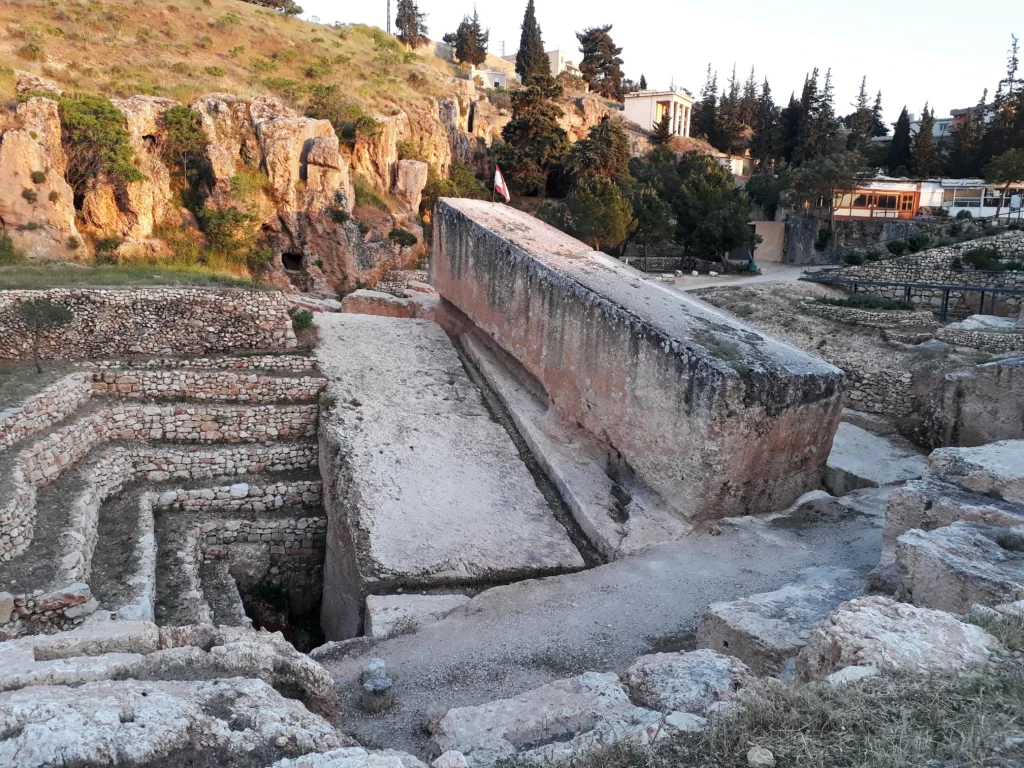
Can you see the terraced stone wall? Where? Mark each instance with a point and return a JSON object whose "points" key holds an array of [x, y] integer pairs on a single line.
{"points": [[150, 321]]}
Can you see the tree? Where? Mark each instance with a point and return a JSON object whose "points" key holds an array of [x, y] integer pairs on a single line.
{"points": [[601, 66], [185, 140], [824, 178], [40, 316], [662, 133], [923, 160], [534, 144], [597, 213], [789, 127], [653, 220], [470, 40], [964, 159], [95, 138], [704, 118], [411, 24], [643, 82], [765, 189], [826, 126], [765, 144], [805, 148], [862, 122], [604, 153], [531, 61], [1005, 170], [732, 135], [880, 128], [899, 149]]}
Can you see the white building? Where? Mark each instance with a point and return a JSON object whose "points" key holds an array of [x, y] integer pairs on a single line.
{"points": [[557, 63], [647, 108], [490, 78]]}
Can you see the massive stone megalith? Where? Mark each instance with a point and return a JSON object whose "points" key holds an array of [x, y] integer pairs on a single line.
{"points": [[714, 415]]}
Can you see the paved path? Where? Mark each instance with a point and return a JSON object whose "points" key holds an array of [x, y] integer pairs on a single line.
{"points": [[770, 273]]}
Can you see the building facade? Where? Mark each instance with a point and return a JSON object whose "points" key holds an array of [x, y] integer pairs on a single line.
{"points": [[904, 199], [648, 108]]}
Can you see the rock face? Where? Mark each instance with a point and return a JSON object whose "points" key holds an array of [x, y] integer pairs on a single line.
{"points": [[27, 82], [555, 721], [953, 568], [768, 630], [995, 470], [410, 179], [148, 723], [881, 633], [686, 682], [417, 305], [717, 424], [353, 757], [860, 459], [393, 614], [37, 212]]}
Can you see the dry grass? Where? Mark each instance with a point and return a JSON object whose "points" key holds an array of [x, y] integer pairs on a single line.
{"points": [[37, 276], [185, 48], [881, 723]]}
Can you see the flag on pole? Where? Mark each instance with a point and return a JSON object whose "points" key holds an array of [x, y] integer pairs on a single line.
{"points": [[499, 184]]}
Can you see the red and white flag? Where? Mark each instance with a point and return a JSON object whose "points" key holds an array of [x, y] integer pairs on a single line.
{"points": [[499, 184]]}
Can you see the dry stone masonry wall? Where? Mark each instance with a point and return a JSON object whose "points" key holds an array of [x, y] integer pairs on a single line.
{"points": [[157, 321]]}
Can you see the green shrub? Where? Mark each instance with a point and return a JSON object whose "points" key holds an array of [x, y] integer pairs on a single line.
{"points": [[956, 264], [982, 258], [259, 259], [8, 253], [108, 244], [263, 66], [321, 68], [228, 230], [338, 215], [897, 247], [402, 237], [54, 196], [204, 41], [38, 177], [867, 301], [237, 51], [290, 89], [956, 229], [73, 243], [302, 319], [96, 141], [853, 258], [104, 259], [964, 214], [364, 229], [185, 143], [872, 255], [32, 52], [30, 195], [248, 183], [918, 242], [367, 195], [216, 71]]}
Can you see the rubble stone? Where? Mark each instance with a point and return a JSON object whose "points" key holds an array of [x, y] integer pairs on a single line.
{"points": [[393, 614], [995, 470], [686, 682]]}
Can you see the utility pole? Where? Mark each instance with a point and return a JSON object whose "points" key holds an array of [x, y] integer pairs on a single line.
{"points": [[389, 17], [503, 49]]}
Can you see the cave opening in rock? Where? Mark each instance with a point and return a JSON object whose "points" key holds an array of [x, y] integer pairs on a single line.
{"points": [[292, 612], [292, 262]]}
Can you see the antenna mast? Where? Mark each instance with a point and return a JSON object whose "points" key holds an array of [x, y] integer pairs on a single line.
{"points": [[389, 17]]}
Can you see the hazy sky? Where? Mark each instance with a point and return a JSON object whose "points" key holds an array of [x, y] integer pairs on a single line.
{"points": [[942, 51]]}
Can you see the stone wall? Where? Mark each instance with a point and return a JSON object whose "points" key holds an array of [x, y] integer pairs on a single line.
{"points": [[44, 409], [207, 385], [880, 391], [297, 545], [151, 321], [880, 319], [284, 363], [717, 417], [996, 343]]}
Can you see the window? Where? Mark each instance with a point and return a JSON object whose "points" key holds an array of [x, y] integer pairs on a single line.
{"points": [[967, 198], [906, 202], [861, 201], [887, 202]]}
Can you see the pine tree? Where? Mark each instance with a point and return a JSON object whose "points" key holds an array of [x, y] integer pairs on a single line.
{"points": [[1000, 134], [748, 102], [412, 29], [789, 126], [531, 61], [862, 122], [880, 128], [604, 153], [601, 66], [662, 133], [703, 122], [923, 160], [534, 144], [470, 40], [731, 134], [764, 146], [643, 82], [899, 149], [598, 213], [964, 160], [826, 127], [810, 108]]}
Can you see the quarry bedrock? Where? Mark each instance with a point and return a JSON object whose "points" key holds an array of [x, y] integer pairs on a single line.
{"points": [[718, 417]]}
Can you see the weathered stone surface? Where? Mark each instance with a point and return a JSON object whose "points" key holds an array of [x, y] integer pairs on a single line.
{"points": [[554, 721], [975, 406], [150, 723], [963, 564], [879, 632], [29, 82], [860, 459], [353, 757], [392, 614], [410, 179], [851, 675], [401, 418], [42, 226], [686, 682], [995, 470], [748, 429], [367, 302], [768, 630]]}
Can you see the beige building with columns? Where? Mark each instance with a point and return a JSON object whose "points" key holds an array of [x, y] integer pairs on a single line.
{"points": [[646, 109]]}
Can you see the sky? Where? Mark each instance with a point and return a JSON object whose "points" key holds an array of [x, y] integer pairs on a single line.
{"points": [[944, 52]]}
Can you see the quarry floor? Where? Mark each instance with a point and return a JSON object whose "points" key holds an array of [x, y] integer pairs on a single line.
{"points": [[513, 638]]}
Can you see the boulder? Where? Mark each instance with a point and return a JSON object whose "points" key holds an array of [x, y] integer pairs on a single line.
{"points": [[686, 682], [558, 720], [986, 323], [995, 470], [394, 614], [29, 82], [410, 179], [889, 636], [353, 757], [131, 722], [366, 302], [374, 156], [766, 631], [953, 568], [285, 143], [860, 459], [42, 221]]}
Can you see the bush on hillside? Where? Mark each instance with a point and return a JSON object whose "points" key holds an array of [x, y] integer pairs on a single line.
{"points": [[919, 242], [897, 247], [96, 141]]}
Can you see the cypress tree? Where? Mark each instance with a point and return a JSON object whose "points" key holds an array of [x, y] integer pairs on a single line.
{"points": [[899, 150], [789, 125], [703, 123], [662, 133], [862, 122], [643, 82], [806, 137], [470, 40], [880, 128], [601, 66], [531, 61], [748, 103], [923, 160], [411, 24], [764, 146], [826, 126], [964, 159]]}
